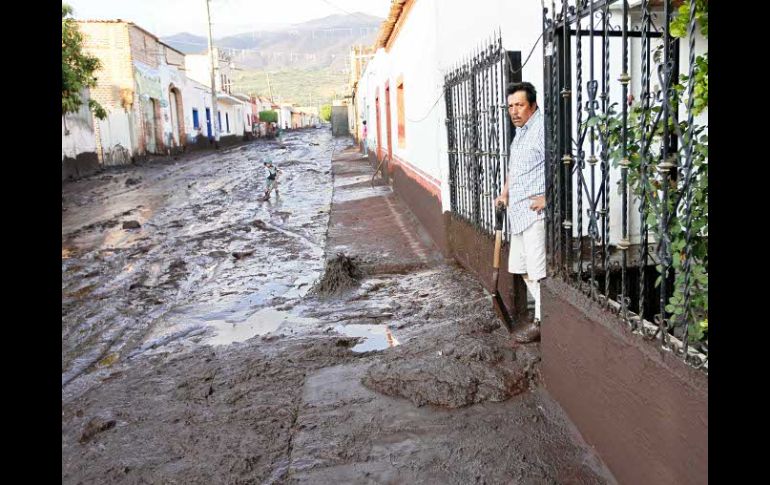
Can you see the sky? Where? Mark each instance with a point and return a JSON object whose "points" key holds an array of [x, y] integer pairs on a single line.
{"points": [[228, 17]]}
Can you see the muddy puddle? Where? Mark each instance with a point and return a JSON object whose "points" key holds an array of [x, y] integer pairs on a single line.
{"points": [[191, 246], [373, 337], [263, 322]]}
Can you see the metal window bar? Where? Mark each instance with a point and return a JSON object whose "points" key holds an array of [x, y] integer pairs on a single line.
{"points": [[650, 169], [479, 131]]}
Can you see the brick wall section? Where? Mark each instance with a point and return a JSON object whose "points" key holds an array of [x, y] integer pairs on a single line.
{"points": [[174, 58], [144, 47], [109, 41]]}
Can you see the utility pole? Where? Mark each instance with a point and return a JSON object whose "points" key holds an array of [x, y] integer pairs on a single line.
{"points": [[270, 88], [214, 117]]}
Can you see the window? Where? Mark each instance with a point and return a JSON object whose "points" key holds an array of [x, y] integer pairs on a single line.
{"points": [[196, 121], [219, 121], [400, 108], [227, 122]]}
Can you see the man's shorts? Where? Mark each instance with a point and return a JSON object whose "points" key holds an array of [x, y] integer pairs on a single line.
{"points": [[527, 254], [270, 183]]}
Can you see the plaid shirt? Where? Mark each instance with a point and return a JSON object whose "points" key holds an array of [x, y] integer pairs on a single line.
{"points": [[526, 173]]}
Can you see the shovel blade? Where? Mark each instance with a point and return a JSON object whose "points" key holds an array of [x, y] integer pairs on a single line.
{"points": [[502, 312]]}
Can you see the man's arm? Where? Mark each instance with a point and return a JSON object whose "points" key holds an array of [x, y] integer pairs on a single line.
{"points": [[538, 203]]}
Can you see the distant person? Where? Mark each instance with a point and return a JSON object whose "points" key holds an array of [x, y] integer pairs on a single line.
{"points": [[272, 178], [364, 132]]}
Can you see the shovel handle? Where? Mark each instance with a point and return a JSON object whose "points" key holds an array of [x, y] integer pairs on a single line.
{"points": [[499, 216]]}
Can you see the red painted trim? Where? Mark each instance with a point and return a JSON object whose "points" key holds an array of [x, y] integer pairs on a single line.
{"points": [[431, 184]]}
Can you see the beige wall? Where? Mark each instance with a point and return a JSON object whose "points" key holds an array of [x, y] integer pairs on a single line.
{"points": [[109, 41]]}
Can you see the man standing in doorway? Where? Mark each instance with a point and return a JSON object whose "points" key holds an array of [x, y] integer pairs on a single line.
{"points": [[524, 195]]}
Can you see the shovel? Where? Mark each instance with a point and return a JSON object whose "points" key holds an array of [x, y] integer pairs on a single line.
{"points": [[497, 300]]}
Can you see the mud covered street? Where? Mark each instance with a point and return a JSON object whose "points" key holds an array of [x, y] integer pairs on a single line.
{"points": [[194, 351]]}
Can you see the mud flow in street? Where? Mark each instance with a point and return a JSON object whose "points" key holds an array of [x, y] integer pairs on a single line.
{"points": [[197, 347]]}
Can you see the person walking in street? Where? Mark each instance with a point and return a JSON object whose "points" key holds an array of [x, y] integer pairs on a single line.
{"points": [[524, 196], [272, 178]]}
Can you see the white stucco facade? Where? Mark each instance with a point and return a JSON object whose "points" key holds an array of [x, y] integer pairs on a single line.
{"points": [[435, 36]]}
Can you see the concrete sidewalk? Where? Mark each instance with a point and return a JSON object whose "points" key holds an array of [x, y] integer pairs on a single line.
{"points": [[372, 222], [451, 402]]}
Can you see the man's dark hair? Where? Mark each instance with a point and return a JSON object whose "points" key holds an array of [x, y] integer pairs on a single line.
{"points": [[526, 87], [364, 121]]}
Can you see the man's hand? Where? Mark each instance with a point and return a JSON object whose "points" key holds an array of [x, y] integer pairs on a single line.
{"points": [[538, 203], [502, 199]]}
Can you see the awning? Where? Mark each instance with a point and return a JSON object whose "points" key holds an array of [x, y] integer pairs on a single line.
{"points": [[227, 99]]}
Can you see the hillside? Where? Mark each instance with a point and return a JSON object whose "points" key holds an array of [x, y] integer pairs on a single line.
{"points": [[318, 43], [307, 62]]}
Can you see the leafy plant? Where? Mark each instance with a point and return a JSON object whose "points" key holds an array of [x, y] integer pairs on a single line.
{"points": [[77, 68], [645, 131], [268, 116], [326, 112]]}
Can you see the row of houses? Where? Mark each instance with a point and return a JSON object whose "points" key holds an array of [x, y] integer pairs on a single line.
{"points": [[158, 101], [431, 92]]}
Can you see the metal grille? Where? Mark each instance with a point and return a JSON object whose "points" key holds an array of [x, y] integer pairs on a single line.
{"points": [[602, 145], [479, 131]]}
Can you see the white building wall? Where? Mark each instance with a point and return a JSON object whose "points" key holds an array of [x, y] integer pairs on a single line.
{"points": [[423, 85], [439, 35], [196, 96], [229, 112], [169, 75], [198, 68], [77, 132], [116, 137], [284, 117], [436, 36]]}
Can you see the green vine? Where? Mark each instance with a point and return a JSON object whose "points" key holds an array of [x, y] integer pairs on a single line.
{"points": [[650, 124], [78, 69]]}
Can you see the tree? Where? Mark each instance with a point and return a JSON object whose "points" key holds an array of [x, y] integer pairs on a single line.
{"points": [[268, 116], [77, 68], [326, 112]]}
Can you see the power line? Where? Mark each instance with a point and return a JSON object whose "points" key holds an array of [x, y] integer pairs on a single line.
{"points": [[429, 110], [512, 72], [530, 54]]}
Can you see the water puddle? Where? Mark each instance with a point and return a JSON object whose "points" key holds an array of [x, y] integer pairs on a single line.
{"points": [[262, 322], [376, 337], [302, 285]]}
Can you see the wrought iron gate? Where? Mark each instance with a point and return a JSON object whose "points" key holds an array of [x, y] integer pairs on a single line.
{"points": [[479, 131], [602, 143]]}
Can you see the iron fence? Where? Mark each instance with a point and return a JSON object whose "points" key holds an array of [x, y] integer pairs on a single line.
{"points": [[479, 131], [620, 123]]}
